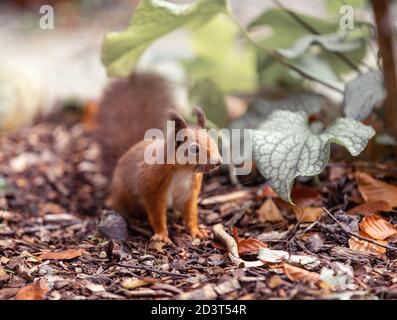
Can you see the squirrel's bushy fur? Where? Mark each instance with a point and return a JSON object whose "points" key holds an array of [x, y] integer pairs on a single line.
{"points": [[128, 108]]}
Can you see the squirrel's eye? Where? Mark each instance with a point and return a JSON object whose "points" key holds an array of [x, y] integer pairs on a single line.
{"points": [[194, 148]]}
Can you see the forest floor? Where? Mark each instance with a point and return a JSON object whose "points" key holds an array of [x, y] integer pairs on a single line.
{"points": [[52, 196]]}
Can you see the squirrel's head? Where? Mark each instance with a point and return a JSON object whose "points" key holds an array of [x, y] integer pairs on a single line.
{"points": [[195, 148]]}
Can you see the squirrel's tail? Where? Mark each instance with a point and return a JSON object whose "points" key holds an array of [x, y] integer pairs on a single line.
{"points": [[129, 107]]}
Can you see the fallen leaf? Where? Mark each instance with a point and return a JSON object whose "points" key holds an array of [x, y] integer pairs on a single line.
{"points": [[267, 191], [303, 260], [304, 196], [35, 291], [377, 227], [307, 214], [133, 283], [276, 256], [273, 256], [50, 208], [3, 273], [275, 281], [373, 189], [341, 278], [246, 246], [62, 255], [299, 274], [365, 246], [268, 212], [370, 208]]}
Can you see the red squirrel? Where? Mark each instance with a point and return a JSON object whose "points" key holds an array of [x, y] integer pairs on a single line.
{"points": [[130, 107]]}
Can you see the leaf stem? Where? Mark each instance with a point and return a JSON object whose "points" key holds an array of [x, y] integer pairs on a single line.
{"points": [[279, 58]]}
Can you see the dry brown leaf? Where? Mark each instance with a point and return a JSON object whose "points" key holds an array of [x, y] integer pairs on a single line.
{"points": [[365, 246], [373, 189], [247, 246], [34, 291], [267, 191], [3, 273], [275, 281], [268, 212], [50, 208], [304, 196], [370, 208], [300, 274], [377, 227], [308, 214], [62, 255]]}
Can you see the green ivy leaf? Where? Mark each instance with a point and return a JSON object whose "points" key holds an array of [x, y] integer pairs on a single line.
{"points": [[362, 94], [153, 19], [284, 147], [334, 42]]}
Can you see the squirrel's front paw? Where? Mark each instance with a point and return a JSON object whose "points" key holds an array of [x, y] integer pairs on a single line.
{"points": [[199, 233], [159, 237]]}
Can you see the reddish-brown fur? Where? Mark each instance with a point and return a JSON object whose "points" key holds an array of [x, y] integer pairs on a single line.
{"points": [[138, 187], [128, 108]]}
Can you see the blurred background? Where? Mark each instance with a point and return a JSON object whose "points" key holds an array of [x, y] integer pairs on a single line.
{"points": [[62, 66]]}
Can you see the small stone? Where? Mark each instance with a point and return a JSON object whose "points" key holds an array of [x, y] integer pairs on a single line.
{"points": [[315, 242], [113, 226]]}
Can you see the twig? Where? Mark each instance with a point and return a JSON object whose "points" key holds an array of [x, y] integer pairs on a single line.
{"points": [[353, 234], [308, 228], [167, 273], [280, 59], [311, 29], [232, 248]]}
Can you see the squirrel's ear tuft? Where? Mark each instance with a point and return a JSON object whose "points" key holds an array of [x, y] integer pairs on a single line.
{"points": [[200, 117], [180, 123]]}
